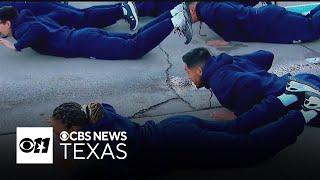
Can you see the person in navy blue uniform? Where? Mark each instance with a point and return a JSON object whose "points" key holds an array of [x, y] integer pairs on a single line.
{"points": [[256, 135], [270, 23], [96, 16], [240, 81], [99, 15], [45, 36]]}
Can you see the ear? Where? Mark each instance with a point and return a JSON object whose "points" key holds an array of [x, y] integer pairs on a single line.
{"points": [[199, 70], [8, 23]]}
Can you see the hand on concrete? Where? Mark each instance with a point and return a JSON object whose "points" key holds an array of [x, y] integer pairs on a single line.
{"points": [[217, 43], [7, 44], [223, 114]]}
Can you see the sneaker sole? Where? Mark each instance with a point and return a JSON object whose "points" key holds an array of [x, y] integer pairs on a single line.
{"points": [[312, 98], [306, 86], [134, 13], [189, 21]]}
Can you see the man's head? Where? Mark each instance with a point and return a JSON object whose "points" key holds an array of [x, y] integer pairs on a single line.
{"points": [[7, 14], [194, 62], [193, 11], [68, 117], [72, 116]]}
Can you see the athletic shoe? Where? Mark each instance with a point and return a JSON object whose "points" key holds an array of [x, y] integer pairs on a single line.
{"points": [[188, 25], [299, 88], [312, 103], [180, 25], [178, 8], [130, 14]]}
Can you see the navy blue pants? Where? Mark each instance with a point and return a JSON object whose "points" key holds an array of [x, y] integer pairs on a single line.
{"points": [[154, 8], [256, 135], [99, 44], [271, 24], [96, 16], [248, 97]]}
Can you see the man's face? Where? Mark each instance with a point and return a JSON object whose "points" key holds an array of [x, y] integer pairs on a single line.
{"points": [[5, 28], [194, 75], [57, 126], [193, 12]]}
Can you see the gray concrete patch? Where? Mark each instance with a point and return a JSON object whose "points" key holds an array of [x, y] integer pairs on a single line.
{"points": [[32, 84], [154, 87]]}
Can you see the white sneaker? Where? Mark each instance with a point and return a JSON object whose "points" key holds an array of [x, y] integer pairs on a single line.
{"points": [[299, 88], [178, 8], [312, 103]]}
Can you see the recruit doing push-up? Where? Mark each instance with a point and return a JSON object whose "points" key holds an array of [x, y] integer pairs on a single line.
{"points": [[256, 135], [45, 36]]}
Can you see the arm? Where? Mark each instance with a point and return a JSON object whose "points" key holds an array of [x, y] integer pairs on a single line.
{"points": [[7, 44], [30, 37], [260, 59], [247, 92]]}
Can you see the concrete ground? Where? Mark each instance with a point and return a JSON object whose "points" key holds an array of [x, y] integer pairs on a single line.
{"points": [[153, 87]]}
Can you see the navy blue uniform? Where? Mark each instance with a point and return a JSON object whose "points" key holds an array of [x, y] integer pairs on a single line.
{"points": [[257, 135], [46, 36], [155, 8], [271, 23], [239, 82], [66, 15]]}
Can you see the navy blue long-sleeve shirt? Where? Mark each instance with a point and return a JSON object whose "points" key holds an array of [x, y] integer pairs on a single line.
{"points": [[41, 34], [239, 82], [271, 23]]}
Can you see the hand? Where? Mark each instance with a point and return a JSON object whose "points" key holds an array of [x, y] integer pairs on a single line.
{"points": [[223, 114], [7, 44], [217, 43]]}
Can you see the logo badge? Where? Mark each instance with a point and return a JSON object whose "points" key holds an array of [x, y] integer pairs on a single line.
{"points": [[34, 145]]}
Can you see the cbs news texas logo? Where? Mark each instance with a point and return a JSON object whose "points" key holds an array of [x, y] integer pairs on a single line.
{"points": [[34, 145]]}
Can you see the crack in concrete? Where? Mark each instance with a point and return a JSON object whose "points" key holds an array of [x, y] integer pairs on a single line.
{"points": [[181, 112], [168, 79], [142, 111], [169, 84], [306, 47]]}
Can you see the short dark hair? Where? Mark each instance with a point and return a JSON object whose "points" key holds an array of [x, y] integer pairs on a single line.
{"points": [[197, 56], [71, 114], [8, 13]]}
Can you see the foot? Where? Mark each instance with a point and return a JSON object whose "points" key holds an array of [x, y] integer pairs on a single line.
{"points": [[188, 32], [130, 14], [178, 8], [181, 26], [299, 88], [311, 109]]}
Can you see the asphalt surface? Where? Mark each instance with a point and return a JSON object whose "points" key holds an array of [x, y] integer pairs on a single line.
{"points": [[153, 87]]}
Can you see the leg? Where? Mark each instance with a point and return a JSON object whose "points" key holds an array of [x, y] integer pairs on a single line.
{"points": [[101, 16], [89, 17], [97, 43], [159, 19], [153, 8], [189, 141], [284, 27]]}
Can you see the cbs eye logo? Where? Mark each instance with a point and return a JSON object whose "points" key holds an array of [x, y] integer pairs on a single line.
{"points": [[34, 145], [38, 145]]}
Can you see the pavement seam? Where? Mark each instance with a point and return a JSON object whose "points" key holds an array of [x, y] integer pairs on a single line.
{"points": [[142, 111], [168, 78], [306, 47], [187, 111]]}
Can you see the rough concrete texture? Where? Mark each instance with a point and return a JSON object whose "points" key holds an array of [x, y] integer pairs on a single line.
{"points": [[153, 87]]}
